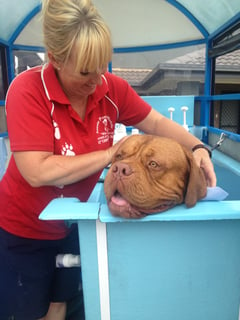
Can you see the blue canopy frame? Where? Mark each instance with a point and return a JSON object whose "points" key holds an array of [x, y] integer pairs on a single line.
{"points": [[196, 13]]}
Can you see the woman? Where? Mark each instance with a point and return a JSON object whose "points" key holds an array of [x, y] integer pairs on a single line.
{"points": [[61, 119]]}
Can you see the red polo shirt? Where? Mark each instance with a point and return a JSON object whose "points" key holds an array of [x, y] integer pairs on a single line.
{"points": [[40, 118]]}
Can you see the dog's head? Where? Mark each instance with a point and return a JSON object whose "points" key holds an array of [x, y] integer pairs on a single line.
{"points": [[152, 174]]}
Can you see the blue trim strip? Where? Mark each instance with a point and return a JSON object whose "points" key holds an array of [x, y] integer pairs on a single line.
{"points": [[231, 96], [230, 135], [24, 22], [224, 27], [203, 211], [159, 46], [3, 134], [4, 42], [28, 48], [190, 16], [10, 64], [208, 68], [205, 104], [110, 67]]}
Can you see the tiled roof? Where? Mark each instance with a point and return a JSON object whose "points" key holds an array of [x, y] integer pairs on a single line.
{"points": [[230, 59], [133, 76], [196, 59]]}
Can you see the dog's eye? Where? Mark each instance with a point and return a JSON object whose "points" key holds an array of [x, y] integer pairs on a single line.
{"points": [[153, 164], [118, 156]]}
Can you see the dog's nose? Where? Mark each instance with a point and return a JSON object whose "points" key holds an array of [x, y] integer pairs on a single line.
{"points": [[122, 169]]}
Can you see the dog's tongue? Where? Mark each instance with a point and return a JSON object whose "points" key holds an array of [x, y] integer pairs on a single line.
{"points": [[128, 209], [118, 200]]}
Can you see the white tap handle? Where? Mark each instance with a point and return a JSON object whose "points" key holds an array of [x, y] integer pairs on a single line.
{"points": [[171, 110], [184, 110]]}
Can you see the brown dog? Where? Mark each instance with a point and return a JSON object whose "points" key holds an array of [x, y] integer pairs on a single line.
{"points": [[151, 174]]}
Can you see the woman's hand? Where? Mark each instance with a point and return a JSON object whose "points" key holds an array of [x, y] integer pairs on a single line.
{"points": [[112, 150], [203, 160]]}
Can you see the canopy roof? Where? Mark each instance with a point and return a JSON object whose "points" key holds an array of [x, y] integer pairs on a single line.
{"points": [[134, 23]]}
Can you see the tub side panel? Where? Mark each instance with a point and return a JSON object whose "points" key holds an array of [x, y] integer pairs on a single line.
{"points": [[228, 180], [174, 270]]}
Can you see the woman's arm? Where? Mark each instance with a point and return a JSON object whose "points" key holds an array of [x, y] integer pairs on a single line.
{"points": [[44, 168], [157, 124]]}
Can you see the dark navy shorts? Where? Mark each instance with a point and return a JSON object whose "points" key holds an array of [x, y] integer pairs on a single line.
{"points": [[29, 280]]}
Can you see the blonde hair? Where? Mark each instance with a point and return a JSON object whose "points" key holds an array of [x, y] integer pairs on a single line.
{"points": [[69, 24]]}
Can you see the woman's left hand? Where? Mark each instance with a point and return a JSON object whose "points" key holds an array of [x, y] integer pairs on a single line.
{"points": [[203, 160]]}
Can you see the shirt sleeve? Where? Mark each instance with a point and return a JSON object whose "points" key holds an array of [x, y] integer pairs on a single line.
{"points": [[28, 114], [132, 108]]}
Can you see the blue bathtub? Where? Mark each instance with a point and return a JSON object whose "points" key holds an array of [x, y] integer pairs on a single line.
{"points": [[180, 264]]}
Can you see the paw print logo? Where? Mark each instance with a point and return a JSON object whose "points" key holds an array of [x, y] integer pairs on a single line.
{"points": [[67, 150]]}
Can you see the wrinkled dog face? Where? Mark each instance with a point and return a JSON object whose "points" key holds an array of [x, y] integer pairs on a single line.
{"points": [[152, 174]]}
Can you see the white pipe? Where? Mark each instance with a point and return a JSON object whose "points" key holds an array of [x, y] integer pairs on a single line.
{"points": [[184, 110], [102, 255], [67, 260]]}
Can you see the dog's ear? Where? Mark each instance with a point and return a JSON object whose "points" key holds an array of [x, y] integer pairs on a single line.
{"points": [[197, 185]]}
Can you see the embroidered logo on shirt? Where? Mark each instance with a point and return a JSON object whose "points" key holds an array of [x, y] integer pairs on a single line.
{"points": [[104, 129]]}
